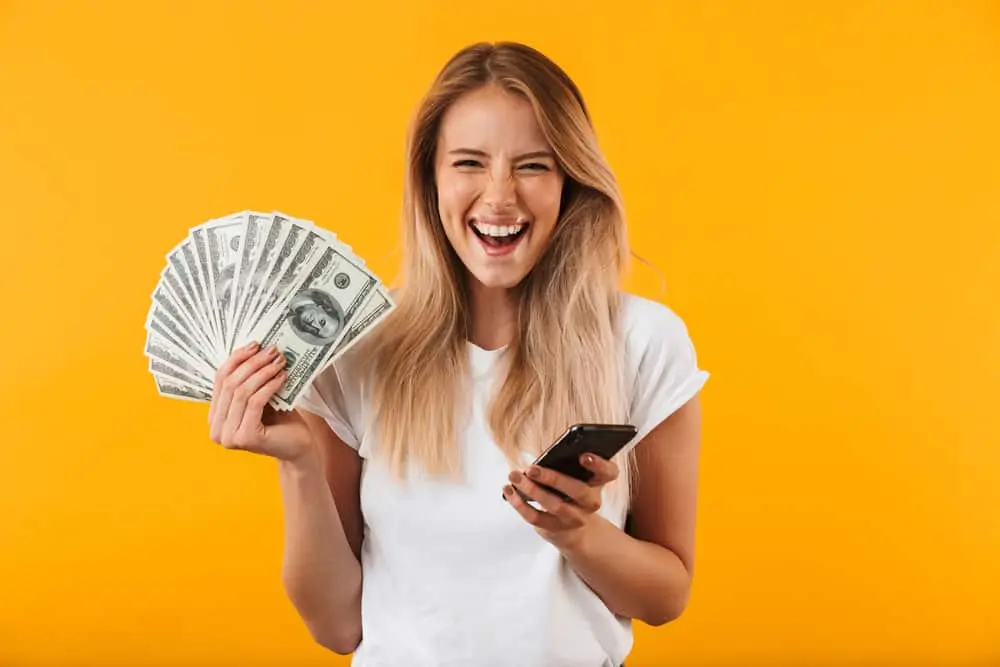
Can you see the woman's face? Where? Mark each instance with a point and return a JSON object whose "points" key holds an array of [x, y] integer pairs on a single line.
{"points": [[498, 183]]}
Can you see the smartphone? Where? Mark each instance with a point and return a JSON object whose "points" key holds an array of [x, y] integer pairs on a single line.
{"points": [[603, 440]]}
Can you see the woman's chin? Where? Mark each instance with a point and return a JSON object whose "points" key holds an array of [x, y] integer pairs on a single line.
{"points": [[498, 277]]}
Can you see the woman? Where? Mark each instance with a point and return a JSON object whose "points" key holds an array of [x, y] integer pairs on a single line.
{"points": [[509, 327]]}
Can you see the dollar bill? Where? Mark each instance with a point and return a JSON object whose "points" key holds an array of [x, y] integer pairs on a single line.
{"points": [[165, 295], [200, 242], [160, 321], [255, 223], [294, 237], [288, 247], [183, 283], [161, 348], [224, 238], [314, 318], [172, 388], [375, 309], [275, 229], [164, 369], [309, 253], [197, 263]]}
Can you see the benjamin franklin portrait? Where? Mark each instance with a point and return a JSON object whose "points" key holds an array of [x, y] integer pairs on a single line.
{"points": [[315, 317]]}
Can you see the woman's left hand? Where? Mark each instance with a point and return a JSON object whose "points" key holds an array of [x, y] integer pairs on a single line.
{"points": [[561, 521]]}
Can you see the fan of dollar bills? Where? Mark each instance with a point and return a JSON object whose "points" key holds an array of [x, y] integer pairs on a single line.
{"points": [[263, 277]]}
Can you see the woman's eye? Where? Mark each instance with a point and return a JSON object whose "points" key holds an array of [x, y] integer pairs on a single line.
{"points": [[535, 166], [467, 163]]}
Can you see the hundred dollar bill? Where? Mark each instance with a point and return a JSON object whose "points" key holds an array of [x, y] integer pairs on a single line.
{"points": [[195, 265], [200, 242], [308, 255], [183, 284], [164, 369], [255, 223], [313, 320], [295, 236], [377, 306], [273, 233], [165, 295], [172, 388], [224, 237], [163, 324], [160, 347]]}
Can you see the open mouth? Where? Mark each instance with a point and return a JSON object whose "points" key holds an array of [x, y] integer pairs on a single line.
{"points": [[498, 236]]}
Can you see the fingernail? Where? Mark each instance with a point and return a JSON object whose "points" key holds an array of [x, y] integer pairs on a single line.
{"points": [[250, 346], [515, 476], [534, 472], [588, 459], [508, 490]]}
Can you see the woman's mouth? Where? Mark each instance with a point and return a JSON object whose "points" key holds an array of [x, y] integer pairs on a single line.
{"points": [[498, 239]]}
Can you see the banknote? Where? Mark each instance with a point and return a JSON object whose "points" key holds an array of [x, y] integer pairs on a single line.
{"points": [[253, 228], [183, 284], [376, 307], [314, 318], [160, 348], [272, 236], [166, 297], [224, 238], [264, 276], [175, 389], [308, 254], [199, 242], [163, 324], [295, 237]]}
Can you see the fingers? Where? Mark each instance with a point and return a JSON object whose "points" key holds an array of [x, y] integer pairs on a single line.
{"points": [[537, 519], [575, 489], [224, 371], [240, 428], [604, 471], [229, 387], [569, 511], [253, 416]]}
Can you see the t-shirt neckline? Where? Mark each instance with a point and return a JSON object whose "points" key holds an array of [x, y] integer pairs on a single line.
{"points": [[483, 359]]}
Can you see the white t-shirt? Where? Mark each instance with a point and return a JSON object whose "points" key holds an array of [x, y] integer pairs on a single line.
{"points": [[453, 576]]}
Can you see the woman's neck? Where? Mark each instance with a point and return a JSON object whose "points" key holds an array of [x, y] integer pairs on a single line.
{"points": [[493, 315]]}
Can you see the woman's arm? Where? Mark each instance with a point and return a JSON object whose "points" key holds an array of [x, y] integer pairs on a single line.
{"points": [[323, 531], [647, 575]]}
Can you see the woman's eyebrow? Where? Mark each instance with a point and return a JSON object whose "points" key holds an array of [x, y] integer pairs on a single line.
{"points": [[480, 153]]}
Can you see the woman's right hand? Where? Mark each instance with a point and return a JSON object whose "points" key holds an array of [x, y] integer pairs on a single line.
{"points": [[240, 417]]}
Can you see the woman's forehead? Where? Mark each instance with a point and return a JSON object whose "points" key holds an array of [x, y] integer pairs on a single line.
{"points": [[492, 121]]}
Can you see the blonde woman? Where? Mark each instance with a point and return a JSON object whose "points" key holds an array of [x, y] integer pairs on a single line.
{"points": [[510, 326]]}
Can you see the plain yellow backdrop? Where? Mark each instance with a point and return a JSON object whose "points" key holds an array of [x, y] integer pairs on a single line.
{"points": [[818, 185]]}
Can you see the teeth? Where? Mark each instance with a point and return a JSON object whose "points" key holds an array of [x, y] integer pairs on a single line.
{"points": [[497, 230]]}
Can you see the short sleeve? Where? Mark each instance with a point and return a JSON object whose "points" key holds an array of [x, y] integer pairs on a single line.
{"points": [[332, 395], [664, 363]]}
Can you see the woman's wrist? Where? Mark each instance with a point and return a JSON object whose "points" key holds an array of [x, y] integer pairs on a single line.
{"points": [[579, 541]]}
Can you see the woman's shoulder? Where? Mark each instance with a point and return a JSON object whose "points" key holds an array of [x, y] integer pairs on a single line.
{"points": [[645, 321], [662, 362]]}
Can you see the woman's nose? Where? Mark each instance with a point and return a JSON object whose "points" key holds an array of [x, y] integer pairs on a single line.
{"points": [[500, 192]]}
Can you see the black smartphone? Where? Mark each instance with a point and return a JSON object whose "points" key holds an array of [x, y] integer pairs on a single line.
{"points": [[563, 455]]}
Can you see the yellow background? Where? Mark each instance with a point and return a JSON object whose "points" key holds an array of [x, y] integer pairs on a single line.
{"points": [[818, 183]]}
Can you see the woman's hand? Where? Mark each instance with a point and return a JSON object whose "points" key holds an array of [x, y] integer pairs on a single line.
{"points": [[240, 417], [562, 521]]}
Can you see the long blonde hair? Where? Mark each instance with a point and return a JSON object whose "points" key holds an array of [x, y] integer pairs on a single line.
{"points": [[565, 364]]}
